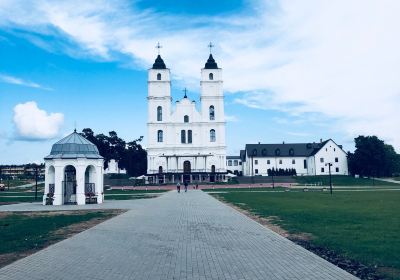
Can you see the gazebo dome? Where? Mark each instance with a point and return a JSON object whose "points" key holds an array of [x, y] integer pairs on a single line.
{"points": [[74, 146]]}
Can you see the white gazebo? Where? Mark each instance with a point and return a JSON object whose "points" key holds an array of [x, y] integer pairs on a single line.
{"points": [[74, 172]]}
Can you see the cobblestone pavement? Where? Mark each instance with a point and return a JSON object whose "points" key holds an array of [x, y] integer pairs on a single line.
{"points": [[175, 236]]}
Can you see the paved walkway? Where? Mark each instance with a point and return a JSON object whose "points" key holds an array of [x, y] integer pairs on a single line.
{"points": [[175, 236]]}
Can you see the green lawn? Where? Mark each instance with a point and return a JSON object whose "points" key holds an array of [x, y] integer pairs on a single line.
{"points": [[341, 180], [364, 226], [32, 231]]}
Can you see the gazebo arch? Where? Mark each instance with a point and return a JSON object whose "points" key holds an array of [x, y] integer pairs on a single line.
{"points": [[90, 184], [69, 184]]}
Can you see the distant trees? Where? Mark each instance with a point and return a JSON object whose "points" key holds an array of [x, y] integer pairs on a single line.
{"points": [[372, 157], [130, 155], [282, 172]]}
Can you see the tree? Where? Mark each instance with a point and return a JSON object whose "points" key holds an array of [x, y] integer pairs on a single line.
{"points": [[130, 156], [372, 157]]}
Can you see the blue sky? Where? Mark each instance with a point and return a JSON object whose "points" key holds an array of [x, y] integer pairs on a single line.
{"points": [[294, 71]]}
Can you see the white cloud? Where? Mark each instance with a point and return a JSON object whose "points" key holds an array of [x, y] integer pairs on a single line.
{"points": [[335, 58], [231, 118], [32, 123], [18, 81]]}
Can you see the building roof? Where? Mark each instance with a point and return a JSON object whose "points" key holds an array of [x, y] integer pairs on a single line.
{"points": [[74, 146], [159, 63], [211, 64], [232, 157], [284, 150]]}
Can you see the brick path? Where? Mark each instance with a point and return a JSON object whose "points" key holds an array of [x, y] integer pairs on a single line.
{"points": [[175, 236]]}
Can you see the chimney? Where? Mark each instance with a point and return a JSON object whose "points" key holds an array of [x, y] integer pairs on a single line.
{"points": [[259, 143], [283, 142], [320, 140]]}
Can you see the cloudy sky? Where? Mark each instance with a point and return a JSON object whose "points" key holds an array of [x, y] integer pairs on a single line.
{"points": [[294, 70]]}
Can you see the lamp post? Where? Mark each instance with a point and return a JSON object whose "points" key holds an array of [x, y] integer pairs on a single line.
{"points": [[330, 175], [273, 181], [36, 178]]}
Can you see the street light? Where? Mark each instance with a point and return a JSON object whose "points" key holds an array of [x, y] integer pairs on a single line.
{"points": [[330, 175]]}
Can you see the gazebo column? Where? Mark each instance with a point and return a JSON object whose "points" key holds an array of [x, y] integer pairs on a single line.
{"points": [[58, 187], [80, 184], [99, 182]]}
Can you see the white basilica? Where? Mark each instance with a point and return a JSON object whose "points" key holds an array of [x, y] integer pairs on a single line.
{"points": [[184, 143]]}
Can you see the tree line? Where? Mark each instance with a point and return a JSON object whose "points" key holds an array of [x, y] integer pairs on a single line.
{"points": [[373, 158], [130, 155]]}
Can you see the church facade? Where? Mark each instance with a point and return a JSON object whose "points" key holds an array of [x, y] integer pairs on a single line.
{"points": [[186, 142]]}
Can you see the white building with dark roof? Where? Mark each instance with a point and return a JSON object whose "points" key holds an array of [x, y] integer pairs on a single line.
{"points": [[304, 158], [234, 165], [186, 142]]}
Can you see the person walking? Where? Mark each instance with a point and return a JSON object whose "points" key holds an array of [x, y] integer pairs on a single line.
{"points": [[178, 187], [186, 185]]}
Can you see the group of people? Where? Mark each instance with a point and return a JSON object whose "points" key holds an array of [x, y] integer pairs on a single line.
{"points": [[186, 184]]}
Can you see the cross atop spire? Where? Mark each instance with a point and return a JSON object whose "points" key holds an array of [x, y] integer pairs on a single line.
{"points": [[210, 46], [185, 91], [158, 47]]}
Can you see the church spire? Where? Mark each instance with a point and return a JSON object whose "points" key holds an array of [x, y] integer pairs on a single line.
{"points": [[159, 62], [211, 64]]}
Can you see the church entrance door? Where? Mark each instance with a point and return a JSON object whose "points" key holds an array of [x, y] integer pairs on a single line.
{"points": [[186, 170]]}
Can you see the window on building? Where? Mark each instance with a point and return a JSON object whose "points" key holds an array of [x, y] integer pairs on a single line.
{"points": [[334, 149], [291, 152], [186, 118], [280, 161], [305, 164], [183, 136], [212, 135], [160, 169], [211, 76], [229, 163], [256, 162], [321, 159], [254, 153], [212, 113], [268, 161], [322, 170], [336, 159], [240, 163], [326, 149], [256, 171], [337, 169], [159, 77], [235, 163], [159, 136], [264, 152], [277, 152], [293, 161], [189, 136], [159, 113]]}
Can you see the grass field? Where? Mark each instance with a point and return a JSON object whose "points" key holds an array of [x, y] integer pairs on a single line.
{"points": [[340, 180], [27, 232], [363, 226]]}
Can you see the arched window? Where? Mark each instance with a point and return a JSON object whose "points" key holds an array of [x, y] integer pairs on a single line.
{"points": [[159, 136], [159, 113], [291, 151], [212, 135], [211, 76], [212, 168], [183, 136], [186, 118], [277, 152], [160, 169], [212, 113], [189, 136], [159, 77]]}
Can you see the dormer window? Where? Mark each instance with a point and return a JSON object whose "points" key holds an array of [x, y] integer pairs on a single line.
{"points": [[211, 76], [159, 77], [186, 119]]}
